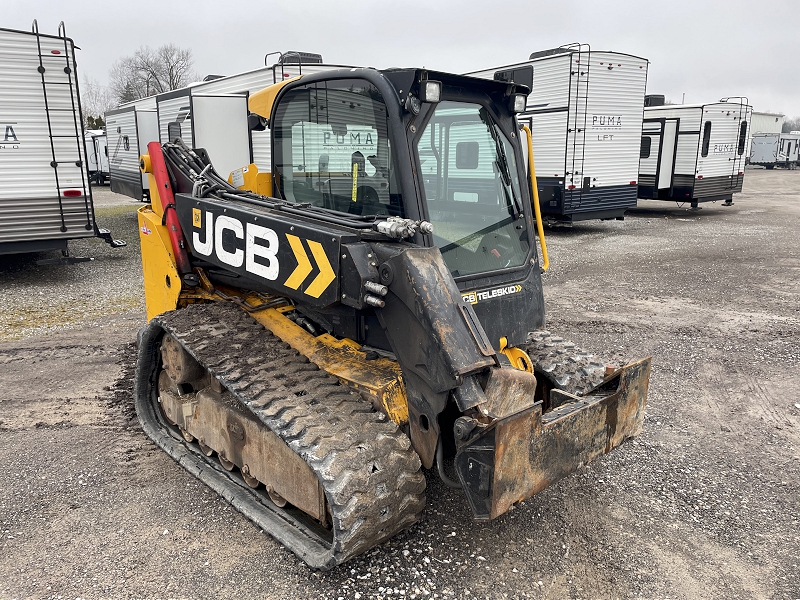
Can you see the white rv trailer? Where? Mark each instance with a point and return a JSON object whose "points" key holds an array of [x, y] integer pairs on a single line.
{"points": [[45, 197], [763, 122], [213, 115], [694, 152], [96, 144], [772, 150], [585, 113], [129, 129]]}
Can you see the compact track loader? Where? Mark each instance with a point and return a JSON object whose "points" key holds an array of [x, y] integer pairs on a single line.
{"points": [[371, 307]]}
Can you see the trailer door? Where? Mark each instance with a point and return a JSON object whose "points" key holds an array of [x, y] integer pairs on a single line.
{"points": [[666, 161]]}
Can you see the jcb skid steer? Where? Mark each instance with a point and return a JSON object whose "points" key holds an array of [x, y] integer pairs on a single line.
{"points": [[370, 307]]}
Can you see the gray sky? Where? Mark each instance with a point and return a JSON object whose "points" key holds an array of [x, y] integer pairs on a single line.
{"points": [[705, 49]]}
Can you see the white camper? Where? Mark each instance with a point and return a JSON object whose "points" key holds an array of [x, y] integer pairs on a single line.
{"points": [[772, 150], [585, 113], [694, 152], [129, 129], [45, 198], [213, 114], [96, 144]]}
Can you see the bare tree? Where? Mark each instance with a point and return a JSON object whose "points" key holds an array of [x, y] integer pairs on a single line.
{"points": [[150, 72], [96, 99], [791, 125]]}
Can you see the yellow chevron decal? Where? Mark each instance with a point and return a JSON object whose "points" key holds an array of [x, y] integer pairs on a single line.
{"points": [[303, 268], [326, 274]]}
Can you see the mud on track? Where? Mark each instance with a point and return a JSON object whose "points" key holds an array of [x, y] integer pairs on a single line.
{"points": [[705, 504]]}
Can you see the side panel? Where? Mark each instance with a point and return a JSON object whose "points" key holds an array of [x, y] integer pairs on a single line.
{"points": [[42, 151], [220, 126], [614, 119]]}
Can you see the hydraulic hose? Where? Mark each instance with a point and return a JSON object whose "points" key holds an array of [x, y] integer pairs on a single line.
{"points": [[159, 170]]}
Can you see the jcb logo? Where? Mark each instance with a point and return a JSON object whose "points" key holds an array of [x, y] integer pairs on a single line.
{"points": [[259, 242], [223, 235]]}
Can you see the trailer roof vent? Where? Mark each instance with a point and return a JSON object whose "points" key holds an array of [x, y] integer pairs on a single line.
{"points": [[654, 100], [212, 77], [293, 57], [550, 52]]}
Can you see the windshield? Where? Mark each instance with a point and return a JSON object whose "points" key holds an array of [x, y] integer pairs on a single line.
{"points": [[472, 190], [332, 148]]}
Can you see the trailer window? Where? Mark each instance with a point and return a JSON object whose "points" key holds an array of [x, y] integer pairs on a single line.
{"points": [[742, 137], [706, 138], [332, 148], [644, 151]]}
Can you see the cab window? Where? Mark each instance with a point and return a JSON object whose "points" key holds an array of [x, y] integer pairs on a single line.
{"points": [[332, 148]]}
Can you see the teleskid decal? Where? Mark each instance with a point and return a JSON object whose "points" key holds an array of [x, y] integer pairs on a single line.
{"points": [[475, 297]]}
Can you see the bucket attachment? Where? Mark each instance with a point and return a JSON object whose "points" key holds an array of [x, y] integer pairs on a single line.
{"points": [[521, 454]]}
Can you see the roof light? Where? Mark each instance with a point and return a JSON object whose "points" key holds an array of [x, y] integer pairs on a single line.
{"points": [[518, 103], [55, 51], [430, 91]]}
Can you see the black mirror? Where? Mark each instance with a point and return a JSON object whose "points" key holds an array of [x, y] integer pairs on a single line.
{"points": [[467, 155]]}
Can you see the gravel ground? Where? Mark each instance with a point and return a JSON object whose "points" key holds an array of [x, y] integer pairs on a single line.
{"points": [[704, 504], [39, 299]]}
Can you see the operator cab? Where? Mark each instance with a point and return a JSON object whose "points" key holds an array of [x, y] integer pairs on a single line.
{"points": [[429, 146], [336, 146]]}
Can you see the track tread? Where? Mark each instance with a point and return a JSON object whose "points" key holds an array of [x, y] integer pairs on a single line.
{"points": [[371, 476], [566, 366]]}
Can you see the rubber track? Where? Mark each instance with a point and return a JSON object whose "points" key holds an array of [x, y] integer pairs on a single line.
{"points": [[370, 473], [566, 366]]}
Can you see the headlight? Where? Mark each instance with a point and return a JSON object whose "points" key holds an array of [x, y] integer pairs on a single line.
{"points": [[430, 91], [518, 103]]}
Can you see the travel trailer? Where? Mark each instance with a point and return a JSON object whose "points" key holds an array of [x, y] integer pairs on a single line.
{"points": [[772, 150], [96, 155], [694, 152], [45, 197], [213, 114], [585, 114], [129, 129]]}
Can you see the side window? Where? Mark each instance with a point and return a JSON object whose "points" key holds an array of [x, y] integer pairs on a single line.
{"points": [[644, 151], [332, 148], [706, 138], [742, 137]]}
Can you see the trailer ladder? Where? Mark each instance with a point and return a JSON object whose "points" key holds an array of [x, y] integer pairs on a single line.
{"points": [[69, 70], [737, 172], [576, 123]]}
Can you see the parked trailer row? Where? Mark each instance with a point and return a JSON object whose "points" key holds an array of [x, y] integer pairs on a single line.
{"points": [[45, 197], [597, 147]]}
